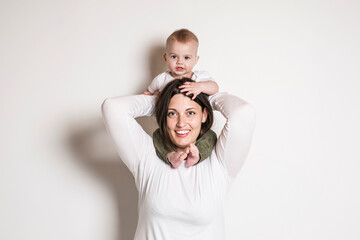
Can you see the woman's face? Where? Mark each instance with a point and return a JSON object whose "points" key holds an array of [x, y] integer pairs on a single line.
{"points": [[184, 118]]}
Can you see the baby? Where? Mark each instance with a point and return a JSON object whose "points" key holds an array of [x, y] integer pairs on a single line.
{"points": [[181, 57]]}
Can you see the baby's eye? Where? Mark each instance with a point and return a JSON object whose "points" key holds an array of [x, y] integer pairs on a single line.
{"points": [[187, 58], [173, 56]]}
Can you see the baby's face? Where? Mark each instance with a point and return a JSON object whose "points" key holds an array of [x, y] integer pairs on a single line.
{"points": [[181, 58]]}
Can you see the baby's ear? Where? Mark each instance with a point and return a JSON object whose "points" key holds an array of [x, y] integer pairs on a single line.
{"points": [[165, 57], [197, 59]]}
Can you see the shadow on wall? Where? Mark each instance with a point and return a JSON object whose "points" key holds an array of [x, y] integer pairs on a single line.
{"points": [[93, 148], [157, 62]]}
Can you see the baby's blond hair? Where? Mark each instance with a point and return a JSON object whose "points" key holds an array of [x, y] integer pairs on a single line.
{"points": [[182, 35]]}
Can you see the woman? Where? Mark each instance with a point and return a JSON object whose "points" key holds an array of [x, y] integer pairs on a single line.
{"points": [[186, 202]]}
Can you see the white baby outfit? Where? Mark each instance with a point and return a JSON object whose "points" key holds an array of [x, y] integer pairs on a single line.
{"points": [[183, 203], [160, 81]]}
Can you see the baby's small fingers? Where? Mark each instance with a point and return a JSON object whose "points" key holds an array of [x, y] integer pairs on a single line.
{"points": [[185, 87], [194, 148], [184, 154], [194, 95], [185, 84], [187, 150]]}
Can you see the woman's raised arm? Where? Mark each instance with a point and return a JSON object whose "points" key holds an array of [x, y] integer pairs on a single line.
{"points": [[130, 139], [234, 141]]}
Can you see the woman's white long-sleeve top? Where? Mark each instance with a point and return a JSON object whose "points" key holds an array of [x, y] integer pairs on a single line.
{"points": [[183, 203]]}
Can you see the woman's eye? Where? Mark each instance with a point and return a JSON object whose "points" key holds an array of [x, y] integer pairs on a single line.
{"points": [[191, 113], [171, 114]]}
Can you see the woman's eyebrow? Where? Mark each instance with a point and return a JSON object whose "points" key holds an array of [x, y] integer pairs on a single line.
{"points": [[187, 109]]}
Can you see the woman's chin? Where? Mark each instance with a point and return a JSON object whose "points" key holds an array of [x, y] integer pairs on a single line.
{"points": [[180, 143], [181, 147]]}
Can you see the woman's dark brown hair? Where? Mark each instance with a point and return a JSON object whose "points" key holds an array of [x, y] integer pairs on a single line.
{"points": [[162, 104]]}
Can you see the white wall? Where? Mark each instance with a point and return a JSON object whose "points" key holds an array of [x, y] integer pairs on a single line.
{"points": [[297, 62]]}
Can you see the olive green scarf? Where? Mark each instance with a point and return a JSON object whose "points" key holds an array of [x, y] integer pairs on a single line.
{"points": [[205, 144]]}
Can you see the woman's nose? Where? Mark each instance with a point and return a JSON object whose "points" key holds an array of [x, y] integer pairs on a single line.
{"points": [[181, 121]]}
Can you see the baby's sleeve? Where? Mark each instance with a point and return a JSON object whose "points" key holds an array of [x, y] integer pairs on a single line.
{"points": [[157, 83], [202, 76]]}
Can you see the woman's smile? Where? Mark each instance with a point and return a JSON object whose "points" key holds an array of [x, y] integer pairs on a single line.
{"points": [[182, 133]]}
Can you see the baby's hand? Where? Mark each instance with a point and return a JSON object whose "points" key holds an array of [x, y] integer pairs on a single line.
{"points": [[146, 92], [193, 155], [176, 158], [191, 88]]}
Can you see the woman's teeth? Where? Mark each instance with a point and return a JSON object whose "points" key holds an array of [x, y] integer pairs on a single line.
{"points": [[182, 132]]}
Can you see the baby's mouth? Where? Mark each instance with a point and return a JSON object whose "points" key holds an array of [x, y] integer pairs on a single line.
{"points": [[179, 69]]}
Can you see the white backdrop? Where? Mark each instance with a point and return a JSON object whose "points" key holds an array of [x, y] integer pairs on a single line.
{"points": [[297, 62]]}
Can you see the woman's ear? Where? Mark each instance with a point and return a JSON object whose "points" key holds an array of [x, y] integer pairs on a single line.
{"points": [[204, 115]]}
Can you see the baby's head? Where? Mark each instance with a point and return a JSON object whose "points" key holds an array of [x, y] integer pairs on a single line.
{"points": [[184, 36], [181, 53]]}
